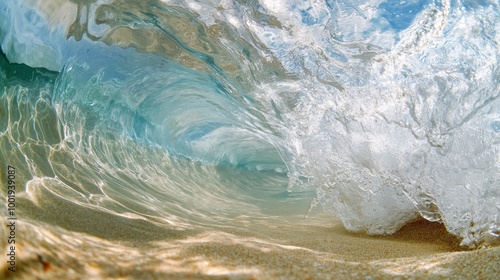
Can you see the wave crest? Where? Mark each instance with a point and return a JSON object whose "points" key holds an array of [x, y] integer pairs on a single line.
{"points": [[387, 120]]}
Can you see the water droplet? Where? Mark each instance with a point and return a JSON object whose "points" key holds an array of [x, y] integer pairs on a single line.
{"points": [[496, 126]]}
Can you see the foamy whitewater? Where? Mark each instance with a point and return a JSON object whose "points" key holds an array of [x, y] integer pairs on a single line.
{"points": [[184, 114]]}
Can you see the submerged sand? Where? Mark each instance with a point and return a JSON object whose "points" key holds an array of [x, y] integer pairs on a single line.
{"points": [[316, 248]]}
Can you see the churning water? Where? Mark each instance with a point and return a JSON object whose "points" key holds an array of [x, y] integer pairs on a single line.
{"points": [[184, 114]]}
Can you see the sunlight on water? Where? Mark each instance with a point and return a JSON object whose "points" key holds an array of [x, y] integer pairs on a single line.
{"points": [[172, 116]]}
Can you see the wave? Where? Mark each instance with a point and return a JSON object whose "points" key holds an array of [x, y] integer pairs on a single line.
{"points": [[185, 113]]}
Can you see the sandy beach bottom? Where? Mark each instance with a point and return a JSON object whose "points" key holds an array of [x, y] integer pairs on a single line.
{"points": [[316, 248]]}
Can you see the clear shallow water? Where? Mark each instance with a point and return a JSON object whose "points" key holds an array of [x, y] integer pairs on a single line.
{"points": [[184, 114]]}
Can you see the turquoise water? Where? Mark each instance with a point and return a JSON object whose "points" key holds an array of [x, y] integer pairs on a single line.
{"points": [[185, 114]]}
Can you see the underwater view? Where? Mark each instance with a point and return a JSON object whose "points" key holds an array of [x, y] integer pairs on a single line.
{"points": [[260, 139]]}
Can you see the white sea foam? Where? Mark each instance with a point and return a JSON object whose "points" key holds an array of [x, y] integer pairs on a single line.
{"points": [[386, 119]]}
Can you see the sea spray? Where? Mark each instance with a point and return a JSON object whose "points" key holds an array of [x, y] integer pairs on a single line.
{"points": [[387, 112]]}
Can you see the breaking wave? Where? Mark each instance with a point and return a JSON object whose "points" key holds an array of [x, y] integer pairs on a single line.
{"points": [[186, 114]]}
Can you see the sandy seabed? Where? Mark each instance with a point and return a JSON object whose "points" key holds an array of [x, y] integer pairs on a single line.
{"points": [[314, 248]]}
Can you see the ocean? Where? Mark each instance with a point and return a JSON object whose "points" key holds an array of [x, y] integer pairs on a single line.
{"points": [[142, 122]]}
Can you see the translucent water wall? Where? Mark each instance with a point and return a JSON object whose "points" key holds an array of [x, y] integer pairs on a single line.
{"points": [[388, 110]]}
